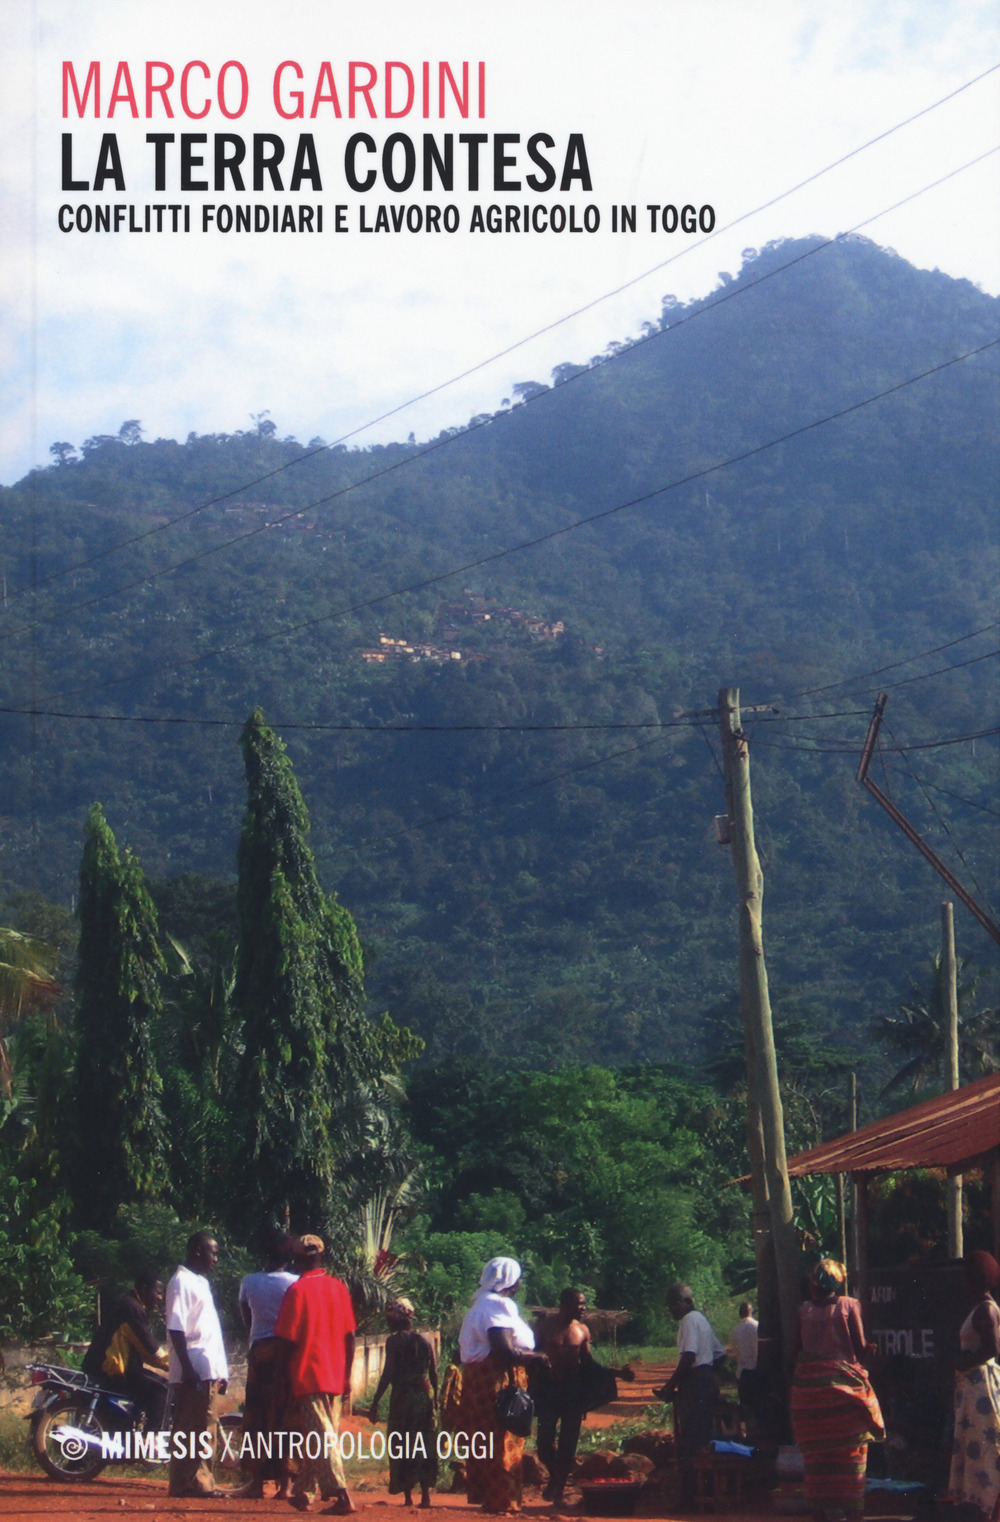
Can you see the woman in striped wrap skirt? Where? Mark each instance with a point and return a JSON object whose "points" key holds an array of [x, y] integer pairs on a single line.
{"points": [[834, 1410]]}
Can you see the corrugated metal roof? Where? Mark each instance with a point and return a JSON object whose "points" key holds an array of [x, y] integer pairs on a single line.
{"points": [[953, 1128]]}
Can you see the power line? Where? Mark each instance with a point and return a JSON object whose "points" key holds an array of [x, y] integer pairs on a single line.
{"points": [[847, 681], [958, 798], [284, 725], [942, 670], [850, 747], [431, 448], [716, 233], [424, 583], [686, 722], [703, 730], [923, 676], [663, 727], [308, 454]]}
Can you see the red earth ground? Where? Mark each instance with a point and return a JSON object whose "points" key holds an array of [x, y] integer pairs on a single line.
{"points": [[33, 1495]]}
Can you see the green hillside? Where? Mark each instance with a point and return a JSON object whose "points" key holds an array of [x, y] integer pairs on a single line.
{"points": [[533, 872]]}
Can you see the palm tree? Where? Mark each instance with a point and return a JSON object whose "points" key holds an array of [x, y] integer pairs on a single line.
{"points": [[372, 1270], [918, 1032], [26, 981]]}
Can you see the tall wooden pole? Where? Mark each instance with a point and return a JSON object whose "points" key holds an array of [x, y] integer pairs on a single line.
{"points": [[949, 993], [762, 1067], [854, 1260], [769, 1341]]}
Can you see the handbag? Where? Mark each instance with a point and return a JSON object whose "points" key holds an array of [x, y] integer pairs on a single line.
{"points": [[515, 1409], [598, 1385]]}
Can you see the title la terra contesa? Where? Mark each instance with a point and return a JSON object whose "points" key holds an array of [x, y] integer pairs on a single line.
{"points": [[195, 161]]}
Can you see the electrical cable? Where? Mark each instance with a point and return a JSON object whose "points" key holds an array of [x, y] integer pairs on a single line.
{"points": [[852, 748], [959, 798], [910, 680], [290, 726], [552, 534], [588, 766], [605, 297], [309, 454], [407, 729], [941, 670], [443, 442], [847, 681], [569, 316], [711, 750]]}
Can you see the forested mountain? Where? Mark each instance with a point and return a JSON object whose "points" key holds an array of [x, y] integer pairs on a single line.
{"points": [[528, 854]]}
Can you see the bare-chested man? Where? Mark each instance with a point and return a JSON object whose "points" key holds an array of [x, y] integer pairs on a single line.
{"points": [[562, 1399]]}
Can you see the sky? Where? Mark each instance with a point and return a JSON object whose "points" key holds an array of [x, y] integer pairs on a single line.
{"points": [[714, 104]]}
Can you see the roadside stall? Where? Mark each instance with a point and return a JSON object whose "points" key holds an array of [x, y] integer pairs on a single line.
{"points": [[913, 1311]]}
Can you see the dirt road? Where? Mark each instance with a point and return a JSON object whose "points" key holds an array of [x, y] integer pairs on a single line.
{"points": [[33, 1496]]}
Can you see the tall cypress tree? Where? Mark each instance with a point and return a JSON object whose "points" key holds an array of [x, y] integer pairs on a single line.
{"points": [[119, 1130], [298, 992]]}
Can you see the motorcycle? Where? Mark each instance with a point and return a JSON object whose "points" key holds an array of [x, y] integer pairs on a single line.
{"points": [[78, 1427]]}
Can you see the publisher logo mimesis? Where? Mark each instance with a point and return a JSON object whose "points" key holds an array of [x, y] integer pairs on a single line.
{"points": [[244, 1447]]}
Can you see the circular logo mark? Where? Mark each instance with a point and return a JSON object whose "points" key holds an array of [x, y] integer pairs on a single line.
{"points": [[72, 1443]]}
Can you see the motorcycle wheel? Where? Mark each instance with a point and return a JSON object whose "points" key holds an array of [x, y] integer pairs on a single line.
{"points": [[61, 1455], [229, 1473]]}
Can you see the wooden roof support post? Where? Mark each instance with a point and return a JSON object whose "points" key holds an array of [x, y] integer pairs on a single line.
{"points": [[861, 1198], [854, 1257], [949, 978]]}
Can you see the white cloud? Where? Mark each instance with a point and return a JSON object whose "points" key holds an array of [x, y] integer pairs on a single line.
{"points": [[690, 100]]}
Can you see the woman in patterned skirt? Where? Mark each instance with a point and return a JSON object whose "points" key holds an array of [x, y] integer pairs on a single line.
{"points": [[975, 1458], [495, 1345], [834, 1409]]}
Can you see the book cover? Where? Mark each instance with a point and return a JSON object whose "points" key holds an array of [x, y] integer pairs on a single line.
{"points": [[341, 229]]}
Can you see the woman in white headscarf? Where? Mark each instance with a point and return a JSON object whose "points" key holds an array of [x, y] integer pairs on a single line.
{"points": [[495, 1345]]}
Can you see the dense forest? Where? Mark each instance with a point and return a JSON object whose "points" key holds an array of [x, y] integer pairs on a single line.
{"points": [[241, 1082], [524, 833], [494, 659]]}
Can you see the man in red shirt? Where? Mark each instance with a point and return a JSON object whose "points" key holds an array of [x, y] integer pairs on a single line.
{"points": [[317, 1321]]}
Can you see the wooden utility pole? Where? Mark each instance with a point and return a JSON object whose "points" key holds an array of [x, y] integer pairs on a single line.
{"points": [[765, 1116], [769, 1342], [949, 997]]}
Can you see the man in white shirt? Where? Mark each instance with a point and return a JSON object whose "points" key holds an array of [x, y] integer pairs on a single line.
{"points": [[198, 1372], [744, 1342], [264, 1409], [694, 1385]]}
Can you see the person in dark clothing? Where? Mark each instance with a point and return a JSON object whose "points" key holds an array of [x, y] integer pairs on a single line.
{"points": [[123, 1346], [410, 1370], [558, 1393], [561, 1393], [694, 1384], [260, 1300]]}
